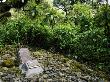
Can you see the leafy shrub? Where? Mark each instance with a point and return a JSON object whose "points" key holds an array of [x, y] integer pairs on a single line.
{"points": [[63, 37], [91, 46], [41, 35], [82, 9], [25, 31], [102, 16], [102, 19], [2, 34], [11, 31], [82, 16]]}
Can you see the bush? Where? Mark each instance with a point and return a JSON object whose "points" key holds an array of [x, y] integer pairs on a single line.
{"points": [[63, 37], [91, 46], [26, 32], [82, 16], [41, 36], [102, 17]]}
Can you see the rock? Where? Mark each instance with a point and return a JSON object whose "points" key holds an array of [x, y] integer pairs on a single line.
{"points": [[5, 68], [55, 75], [17, 80], [46, 68], [80, 80], [29, 67], [67, 64], [6, 56], [47, 72], [9, 76], [45, 76], [49, 80], [1, 80], [78, 74], [63, 69], [1, 73], [50, 68], [1, 62], [73, 78], [86, 77], [61, 74], [100, 80], [13, 58]]}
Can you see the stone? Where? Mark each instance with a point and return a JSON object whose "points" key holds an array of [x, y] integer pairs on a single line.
{"points": [[86, 77], [80, 80], [49, 80], [5, 68], [47, 72], [78, 74], [1, 80], [73, 78], [61, 74], [1, 73], [29, 67], [13, 58], [45, 76], [67, 64], [6, 56], [17, 80], [1, 61]]}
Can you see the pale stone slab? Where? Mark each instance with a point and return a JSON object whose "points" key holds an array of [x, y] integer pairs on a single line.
{"points": [[29, 67]]}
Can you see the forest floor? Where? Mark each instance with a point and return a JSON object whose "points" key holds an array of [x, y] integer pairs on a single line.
{"points": [[57, 68]]}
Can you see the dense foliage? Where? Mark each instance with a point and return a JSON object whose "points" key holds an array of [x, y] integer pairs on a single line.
{"points": [[80, 32]]}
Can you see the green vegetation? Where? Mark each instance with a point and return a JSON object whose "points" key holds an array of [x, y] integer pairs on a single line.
{"points": [[83, 31], [8, 63]]}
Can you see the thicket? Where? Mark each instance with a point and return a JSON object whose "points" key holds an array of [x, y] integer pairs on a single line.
{"points": [[79, 33]]}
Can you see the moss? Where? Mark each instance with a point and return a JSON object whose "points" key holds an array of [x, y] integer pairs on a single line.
{"points": [[37, 54], [15, 70], [64, 60], [8, 62]]}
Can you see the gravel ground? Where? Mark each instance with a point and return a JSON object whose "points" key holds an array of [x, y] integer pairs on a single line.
{"points": [[57, 68]]}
